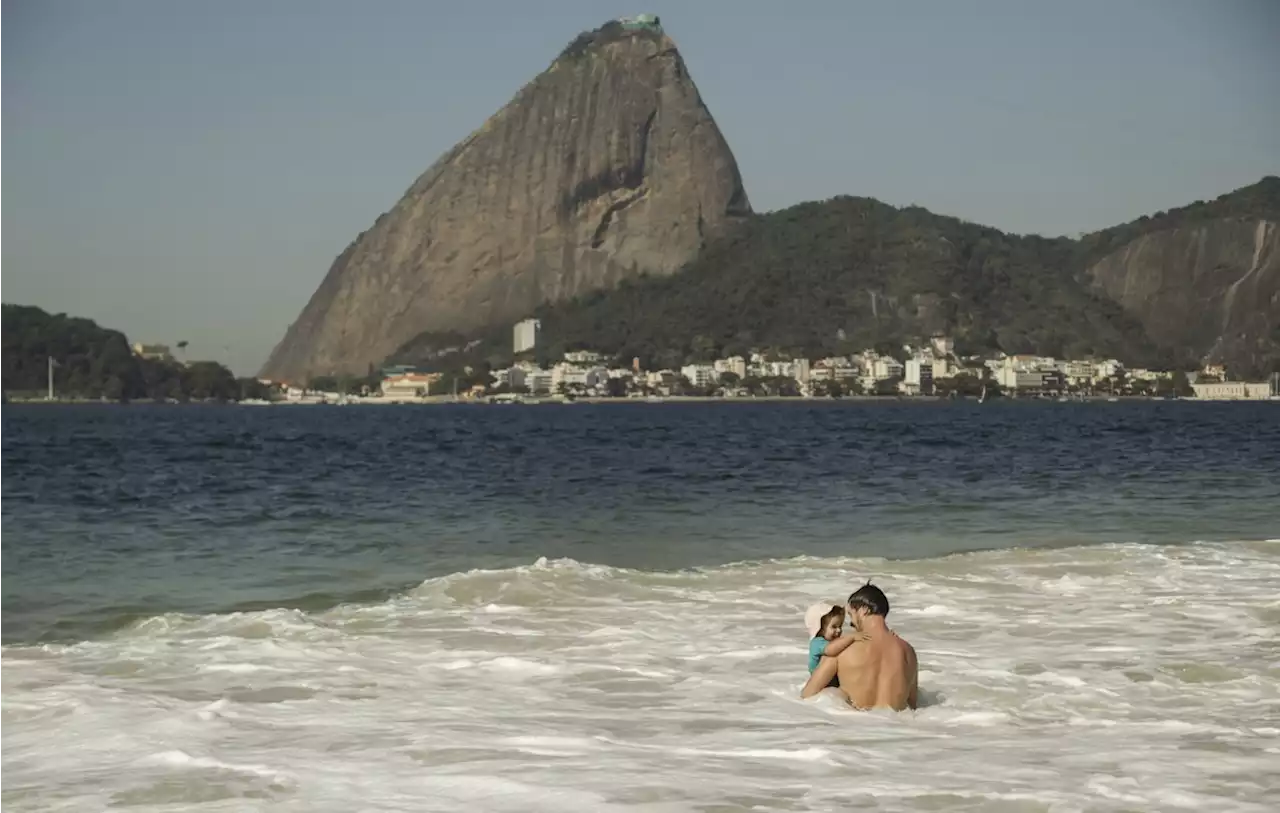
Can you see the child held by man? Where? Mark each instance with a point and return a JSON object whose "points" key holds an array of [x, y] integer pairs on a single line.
{"points": [[825, 622]]}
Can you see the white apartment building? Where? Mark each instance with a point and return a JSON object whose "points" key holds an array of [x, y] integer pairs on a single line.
{"points": [[525, 335], [1012, 378], [734, 364], [1140, 374], [538, 380], [918, 375], [588, 378], [662, 378], [775, 369], [513, 377], [1078, 369], [1108, 369], [800, 370], [943, 368], [700, 375], [583, 357], [823, 371], [1237, 390], [886, 367]]}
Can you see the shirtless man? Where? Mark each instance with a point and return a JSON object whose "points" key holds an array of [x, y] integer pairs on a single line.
{"points": [[879, 669]]}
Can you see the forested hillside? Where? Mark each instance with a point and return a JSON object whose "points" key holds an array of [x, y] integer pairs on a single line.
{"points": [[94, 362]]}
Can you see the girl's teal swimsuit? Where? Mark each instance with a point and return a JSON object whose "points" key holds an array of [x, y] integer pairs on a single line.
{"points": [[815, 656]]}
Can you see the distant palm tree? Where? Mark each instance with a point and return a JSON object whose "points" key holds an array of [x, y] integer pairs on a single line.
{"points": [[182, 349]]}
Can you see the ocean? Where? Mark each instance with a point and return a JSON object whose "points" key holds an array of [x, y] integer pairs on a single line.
{"points": [[598, 607]]}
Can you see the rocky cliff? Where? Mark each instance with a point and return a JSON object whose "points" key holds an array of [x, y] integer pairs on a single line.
{"points": [[1205, 280], [606, 165]]}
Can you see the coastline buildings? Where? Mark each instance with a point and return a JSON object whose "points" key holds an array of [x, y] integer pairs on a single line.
{"points": [[734, 364], [1238, 390], [408, 385], [930, 368], [918, 377]]}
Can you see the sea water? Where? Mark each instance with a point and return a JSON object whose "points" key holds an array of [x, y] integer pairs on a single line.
{"points": [[565, 608]]}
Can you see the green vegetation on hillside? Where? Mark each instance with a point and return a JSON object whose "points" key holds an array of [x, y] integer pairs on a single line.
{"points": [[94, 362], [1259, 200], [835, 277]]}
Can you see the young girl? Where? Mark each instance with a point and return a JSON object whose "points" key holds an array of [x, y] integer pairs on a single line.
{"points": [[824, 623]]}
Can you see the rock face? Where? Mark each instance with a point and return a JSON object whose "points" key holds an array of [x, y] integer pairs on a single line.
{"points": [[606, 165], [1209, 289]]}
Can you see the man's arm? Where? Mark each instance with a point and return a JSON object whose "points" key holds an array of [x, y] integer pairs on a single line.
{"points": [[913, 697], [820, 678]]}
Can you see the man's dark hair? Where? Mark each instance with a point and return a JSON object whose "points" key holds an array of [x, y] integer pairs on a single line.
{"points": [[871, 598]]}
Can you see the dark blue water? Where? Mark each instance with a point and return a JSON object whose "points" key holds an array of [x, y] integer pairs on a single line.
{"points": [[116, 513]]}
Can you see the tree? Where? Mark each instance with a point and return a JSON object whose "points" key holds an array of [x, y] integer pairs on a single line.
{"points": [[253, 389], [963, 385], [93, 361], [208, 380], [1181, 386], [616, 387], [114, 389], [828, 388], [887, 386], [781, 385]]}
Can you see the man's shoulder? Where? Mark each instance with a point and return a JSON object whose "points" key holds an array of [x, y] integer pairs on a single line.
{"points": [[856, 651], [908, 649]]}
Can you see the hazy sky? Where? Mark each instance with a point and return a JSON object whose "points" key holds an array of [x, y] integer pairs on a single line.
{"points": [[189, 170]]}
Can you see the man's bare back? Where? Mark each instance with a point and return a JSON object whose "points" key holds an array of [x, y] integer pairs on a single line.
{"points": [[880, 670]]}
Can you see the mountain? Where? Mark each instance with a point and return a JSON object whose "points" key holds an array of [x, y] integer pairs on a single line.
{"points": [[606, 166], [95, 362], [1204, 279], [841, 275]]}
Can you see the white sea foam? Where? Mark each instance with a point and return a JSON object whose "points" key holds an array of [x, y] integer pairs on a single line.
{"points": [[1105, 678]]}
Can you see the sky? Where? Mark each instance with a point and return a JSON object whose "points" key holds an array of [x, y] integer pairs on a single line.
{"points": [[188, 171]]}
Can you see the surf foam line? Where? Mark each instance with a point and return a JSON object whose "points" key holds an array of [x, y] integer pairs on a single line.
{"points": [[562, 577], [1100, 677]]}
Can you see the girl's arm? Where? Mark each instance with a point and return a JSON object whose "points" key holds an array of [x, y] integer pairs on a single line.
{"points": [[840, 644]]}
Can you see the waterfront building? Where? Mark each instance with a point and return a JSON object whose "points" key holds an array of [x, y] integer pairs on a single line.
{"points": [[1238, 390], [408, 385], [700, 375], [918, 376]]}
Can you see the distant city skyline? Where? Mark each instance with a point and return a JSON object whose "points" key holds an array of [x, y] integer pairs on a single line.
{"points": [[189, 172]]}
